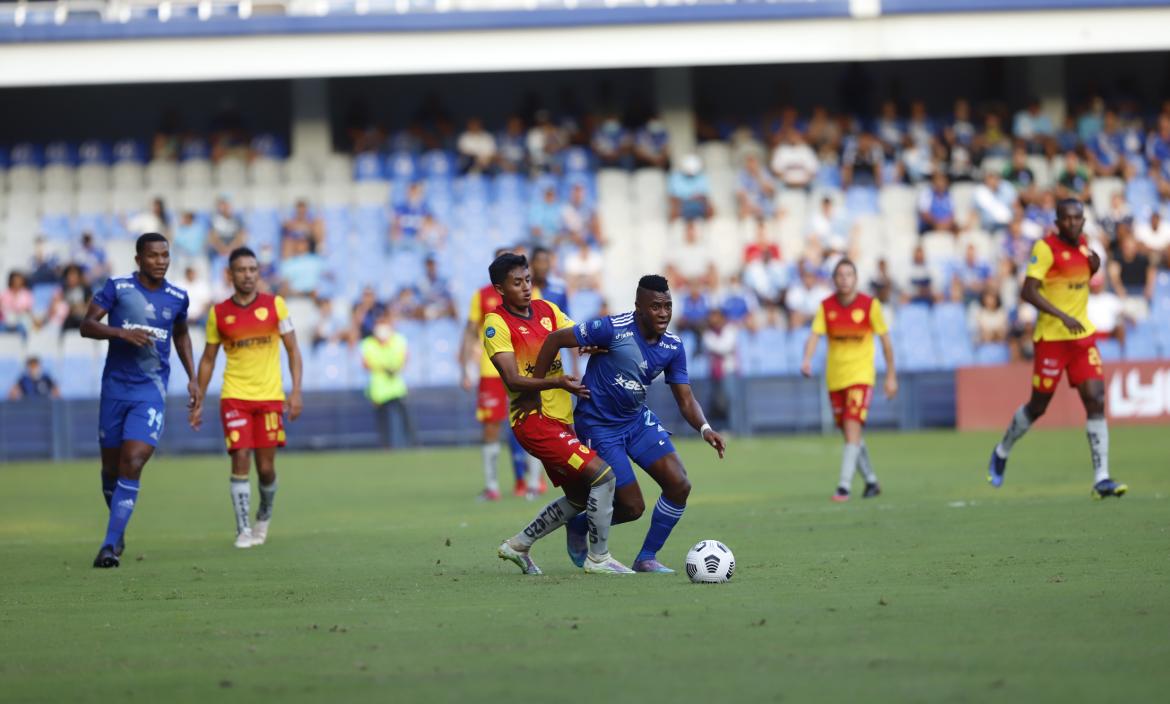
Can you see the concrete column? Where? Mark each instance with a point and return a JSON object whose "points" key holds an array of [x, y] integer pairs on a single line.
{"points": [[676, 105], [312, 137]]}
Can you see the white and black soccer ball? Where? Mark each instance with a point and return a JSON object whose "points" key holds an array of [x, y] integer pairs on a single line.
{"points": [[710, 562]]}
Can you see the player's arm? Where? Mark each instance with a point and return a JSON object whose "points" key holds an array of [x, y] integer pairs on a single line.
{"points": [[553, 344], [295, 402], [689, 406], [472, 347], [1094, 262], [505, 364], [819, 327], [203, 379], [182, 337], [93, 328], [877, 321]]}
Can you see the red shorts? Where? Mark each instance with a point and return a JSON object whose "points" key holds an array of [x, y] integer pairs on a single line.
{"points": [[250, 425], [1079, 358], [556, 445], [851, 403], [492, 402]]}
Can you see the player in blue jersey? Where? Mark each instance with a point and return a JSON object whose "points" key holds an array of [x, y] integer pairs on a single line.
{"points": [[615, 421], [145, 312]]}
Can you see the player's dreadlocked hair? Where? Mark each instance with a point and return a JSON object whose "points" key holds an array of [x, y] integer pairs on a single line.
{"points": [[654, 282], [503, 265]]}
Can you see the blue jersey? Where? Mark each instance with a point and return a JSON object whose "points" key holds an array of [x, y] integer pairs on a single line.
{"points": [[618, 380], [140, 373]]}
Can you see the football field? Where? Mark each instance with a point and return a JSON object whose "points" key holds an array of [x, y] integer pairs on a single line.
{"points": [[380, 583]]}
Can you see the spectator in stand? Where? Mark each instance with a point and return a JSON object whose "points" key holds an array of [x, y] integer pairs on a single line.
{"points": [[822, 131], [92, 260], [889, 128], [652, 145], [738, 302], [332, 325], [583, 268], [804, 297], [1158, 142], [477, 148], [794, 162], [269, 272], [544, 217], [957, 155], [768, 277], [412, 224], [695, 308], [545, 141], [190, 244], [1106, 310], [936, 210], [690, 191], [229, 139], [691, 262], [198, 290], [991, 320], [1117, 213], [434, 293], [994, 141], [1106, 147], [1033, 127], [152, 219], [1017, 248], [1020, 175], [1154, 235], [882, 286], [1132, 275], [72, 300], [579, 221], [994, 199], [366, 313], [16, 305], [227, 229], [34, 382], [168, 138], [1066, 138], [512, 147], [922, 288], [612, 144], [962, 126], [829, 229], [971, 278], [301, 273], [1042, 213], [303, 225], [756, 194], [43, 268], [384, 355], [720, 343], [861, 162], [404, 304], [1073, 181]]}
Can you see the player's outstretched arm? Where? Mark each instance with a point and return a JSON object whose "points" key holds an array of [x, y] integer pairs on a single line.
{"points": [[505, 364], [553, 344], [93, 328], [187, 358], [689, 406], [810, 348], [470, 348], [891, 375], [203, 379], [295, 403], [1031, 294]]}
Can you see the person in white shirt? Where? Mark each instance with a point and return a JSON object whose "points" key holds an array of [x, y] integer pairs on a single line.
{"points": [[805, 296], [477, 148], [994, 201], [1106, 310], [794, 162], [1154, 234], [690, 263], [198, 294], [583, 268]]}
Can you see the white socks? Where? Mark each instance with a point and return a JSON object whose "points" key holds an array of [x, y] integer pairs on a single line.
{"points": [[1016, 429], [241, 503], [865, 466], [491, 455], [532, 478], [551, 517], [848, 465], [267, 497], [599, 513], [1098, 432]]}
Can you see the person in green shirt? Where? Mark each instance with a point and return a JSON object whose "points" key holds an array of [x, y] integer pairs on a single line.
{"points": [[384, 355]]}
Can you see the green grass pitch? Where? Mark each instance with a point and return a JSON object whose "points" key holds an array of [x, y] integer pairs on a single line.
{"points": [[380, 583]]}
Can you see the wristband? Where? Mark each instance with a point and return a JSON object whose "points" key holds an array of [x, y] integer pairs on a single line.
{"points": [[705, 428]]}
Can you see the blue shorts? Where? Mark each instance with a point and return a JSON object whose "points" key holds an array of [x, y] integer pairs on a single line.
{"points": [[645, 441], [119, 421]]}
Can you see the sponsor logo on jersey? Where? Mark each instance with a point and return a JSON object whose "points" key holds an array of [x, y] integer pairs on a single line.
{"points": [[123, 284], [628, 384], [623, 335], [158, 334], [489, 333], [596, 325], [237, 423], [175, 292], [581, 328], [666, 345]]}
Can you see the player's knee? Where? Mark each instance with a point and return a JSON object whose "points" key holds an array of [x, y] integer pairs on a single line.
{"points": [[629, 508], [679, 491], [131, 466]]}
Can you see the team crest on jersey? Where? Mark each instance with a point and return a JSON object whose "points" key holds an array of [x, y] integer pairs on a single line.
{"points": [[1065, 256], [261, 314], [229, 320], [546, 324], [168, 313], [858, 315], [832, 315]]}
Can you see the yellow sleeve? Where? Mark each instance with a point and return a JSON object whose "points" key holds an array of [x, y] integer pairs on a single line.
{"points": [[877, 319], [284, 322], [1040, 262], [212, 328], [562, 320], [475, 314], [281, 308], [496, 336], [818, 324]]}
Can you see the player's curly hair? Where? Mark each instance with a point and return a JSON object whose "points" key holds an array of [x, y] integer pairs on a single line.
{"points": [[654, 282], [145, 239], [500, 268]]}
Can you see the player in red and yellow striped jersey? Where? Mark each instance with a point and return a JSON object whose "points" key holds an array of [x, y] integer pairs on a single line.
{"points": [[1057, 283], [850, 320], [513, 336], [249, 326]]}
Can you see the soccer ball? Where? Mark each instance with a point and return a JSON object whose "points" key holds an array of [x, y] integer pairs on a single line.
{"points": [[710, 562]]}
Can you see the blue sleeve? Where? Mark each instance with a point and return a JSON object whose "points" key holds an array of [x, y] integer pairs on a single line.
{"points": [[181, 316], [107, 297], [676, 370], [595, 333]]}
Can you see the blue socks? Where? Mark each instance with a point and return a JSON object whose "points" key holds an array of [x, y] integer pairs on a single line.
{"points": [[519, 457], [121, 508], [666, 516], [579, 524], [108, 484]]}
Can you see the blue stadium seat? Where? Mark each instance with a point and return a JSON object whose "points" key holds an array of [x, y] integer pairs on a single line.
{"points": [[584, 305], [796, 342], [992, 354], [263, 225], [80, 377], [1110, 350], [472, 187], [438, 164], [1141, 342], [861, 200], [43, 297], [510, 188], [55, 226], [367, 167], [765, 353], [328, 368], [402, 166]]}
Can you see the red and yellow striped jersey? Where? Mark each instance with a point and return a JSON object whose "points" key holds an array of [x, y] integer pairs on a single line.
{"points": [[504, 331], [1064, 272], [250, 336]]}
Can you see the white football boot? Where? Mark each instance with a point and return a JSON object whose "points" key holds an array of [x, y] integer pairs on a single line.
{"points": [[260, 532], [520, 559], [605, 564]]}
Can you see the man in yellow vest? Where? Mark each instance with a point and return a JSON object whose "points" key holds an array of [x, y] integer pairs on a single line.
{"points": [[384, 355]]}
